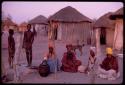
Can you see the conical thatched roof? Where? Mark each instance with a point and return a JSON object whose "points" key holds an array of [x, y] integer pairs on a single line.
{"points": [[104, 22], [38, 20], [117, 14], [69, 14], [8, 22]]}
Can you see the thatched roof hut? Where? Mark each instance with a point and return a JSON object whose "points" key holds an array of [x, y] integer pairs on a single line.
{"points": [[70, 25], [118, 35], [9, 24], [106, 28], [38, 20], [23, 26], [40, 23], [117, 14]]}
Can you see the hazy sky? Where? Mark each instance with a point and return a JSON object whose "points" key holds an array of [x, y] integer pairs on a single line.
{"points": [[24, 11]]}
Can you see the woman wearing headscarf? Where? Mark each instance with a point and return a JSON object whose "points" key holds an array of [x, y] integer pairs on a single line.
{"points": [[92, 59], [69, 61], [109, 67], [52, 60]]}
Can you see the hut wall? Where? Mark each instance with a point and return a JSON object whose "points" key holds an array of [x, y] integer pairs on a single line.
{"points": [[40, 29], [118, 35], [76, 32], [12, 27], [22, 28], [59, 37], [109, 37], [93, 37]]}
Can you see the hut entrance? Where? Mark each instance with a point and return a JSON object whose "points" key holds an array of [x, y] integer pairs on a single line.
{"points": [[103, 36], [55, 32]]}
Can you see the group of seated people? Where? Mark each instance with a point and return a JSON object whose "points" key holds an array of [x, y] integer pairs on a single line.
{"points": [[107, 69]]}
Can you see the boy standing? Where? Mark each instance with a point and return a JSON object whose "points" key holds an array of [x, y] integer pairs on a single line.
{"points": [[11, 48]]}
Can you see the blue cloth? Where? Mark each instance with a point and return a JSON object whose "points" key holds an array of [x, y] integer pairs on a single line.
{"points": [[53, 64]]}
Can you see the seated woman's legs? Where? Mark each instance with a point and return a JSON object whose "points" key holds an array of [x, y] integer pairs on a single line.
{"points": [[112, 74], [53, 63], [102, 73]]}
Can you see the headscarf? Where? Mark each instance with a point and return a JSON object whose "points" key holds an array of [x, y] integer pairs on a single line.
{"points": [[109, 51], [44, 58], [93, 49]]}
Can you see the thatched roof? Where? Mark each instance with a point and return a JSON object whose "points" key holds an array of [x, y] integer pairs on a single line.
{"points": [[38, 20], [23, 24], [104, 22], [69, 14], [8, 22], [117, 14]]}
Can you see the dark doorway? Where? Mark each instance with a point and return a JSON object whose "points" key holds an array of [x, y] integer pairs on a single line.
{"points": [[103, 36], [55, 32]]}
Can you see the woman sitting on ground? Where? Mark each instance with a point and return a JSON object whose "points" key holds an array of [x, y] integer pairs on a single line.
{"points": [[52, 60], [69, 61], [92, 59]]}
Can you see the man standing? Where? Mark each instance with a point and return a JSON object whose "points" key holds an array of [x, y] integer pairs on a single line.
{"points": [[27, 43]]}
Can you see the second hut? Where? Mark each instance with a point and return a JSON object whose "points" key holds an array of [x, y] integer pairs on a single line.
{"points": [[70, 26], [40, 23], [106, 29]]}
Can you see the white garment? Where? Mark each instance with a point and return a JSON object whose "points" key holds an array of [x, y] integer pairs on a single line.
{"points": [[110, 74], [91, 65], [81, 68], [93, 49]]}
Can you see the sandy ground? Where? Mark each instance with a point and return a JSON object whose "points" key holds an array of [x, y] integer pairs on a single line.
{"points": [[40, 47]]}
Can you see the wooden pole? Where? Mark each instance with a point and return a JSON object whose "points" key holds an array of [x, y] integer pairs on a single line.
{"points": [[98, 49]]}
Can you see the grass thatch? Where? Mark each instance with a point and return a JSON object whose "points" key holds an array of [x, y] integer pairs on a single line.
{"points": [[69, 14], [104, 21], [38, 20], [117, 14]]}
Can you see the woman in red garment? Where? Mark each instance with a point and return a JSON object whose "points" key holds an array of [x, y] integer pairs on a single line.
{"points": [[69, 61]]}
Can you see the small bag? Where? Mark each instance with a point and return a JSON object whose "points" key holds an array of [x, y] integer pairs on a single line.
{"points": [[44, 69]]}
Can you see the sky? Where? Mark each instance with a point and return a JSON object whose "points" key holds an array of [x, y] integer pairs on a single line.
{"points": [[21, 11]]}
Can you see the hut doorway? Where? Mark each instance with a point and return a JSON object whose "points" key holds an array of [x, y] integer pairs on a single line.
{"points": [[103, 36], [55, 32]]}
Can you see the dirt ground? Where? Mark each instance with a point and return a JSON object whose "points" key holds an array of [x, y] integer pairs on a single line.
{"points": [[40, 46]]}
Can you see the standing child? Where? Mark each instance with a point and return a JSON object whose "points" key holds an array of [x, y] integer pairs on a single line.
{"points": [[11, 48]]}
